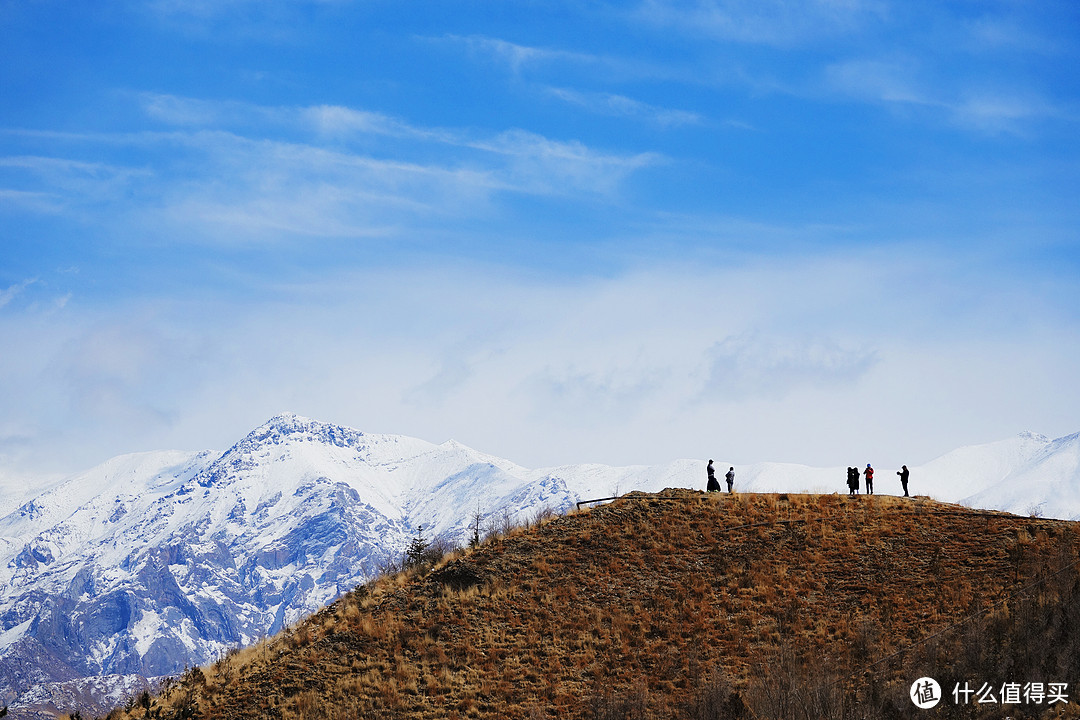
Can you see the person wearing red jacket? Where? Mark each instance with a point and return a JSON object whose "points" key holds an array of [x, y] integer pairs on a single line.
{"points": [[869, 473]]}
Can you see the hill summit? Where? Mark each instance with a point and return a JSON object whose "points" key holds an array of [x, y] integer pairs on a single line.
{"points": [[678, 604]]}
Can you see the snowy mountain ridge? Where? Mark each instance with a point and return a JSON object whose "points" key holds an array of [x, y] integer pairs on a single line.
{"points": [[153, 561]]}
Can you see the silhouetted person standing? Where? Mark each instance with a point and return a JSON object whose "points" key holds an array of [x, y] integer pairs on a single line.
{"points": [[869, 473], [713, 485], [903, 473], [730, 477], [852, 481]]}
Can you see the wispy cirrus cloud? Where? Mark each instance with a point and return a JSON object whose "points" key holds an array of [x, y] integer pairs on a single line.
{"points": [[209, 8], [12, 291], [995, 111], [906, 82], [880, 81], [995, 33], [523, 60], [320, 121], [986, 71], [338, 121], [555, 71], [615, 105], [519, 57], [186, 111], [324, 120], [270, 189], [539, 165], [41, 203], [68, 171], [233, 169], [55, 185], [279, 22], [559, 65], [766, 22]]}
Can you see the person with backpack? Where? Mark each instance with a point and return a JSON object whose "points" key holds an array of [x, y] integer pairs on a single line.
{"points": [[869, 473], [730, 477], [713, 485], [903, 473]]}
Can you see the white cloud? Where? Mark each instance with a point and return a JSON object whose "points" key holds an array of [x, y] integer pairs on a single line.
{"points": [[593, 396], [907, 83], [71, 173], [1009, 34], [622, 106], [1003, 111], [527, 60], [306, 189], [518, 57], [777, 361], [971, 74], [268, 21], [879, 81], [747, 366], [322, 120], [241, 170], [259, 186], [46, 203], [12, 291], [55, 185], [184, 111], [549, 167], [336, 120], [768, 22]]}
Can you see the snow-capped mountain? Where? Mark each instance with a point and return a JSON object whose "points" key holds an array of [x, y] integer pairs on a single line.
{"points": [[154, 561], [1046, 482]]}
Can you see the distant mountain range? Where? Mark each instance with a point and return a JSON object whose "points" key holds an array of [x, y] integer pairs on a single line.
{"points": [[1026, 474], [153, 561]]}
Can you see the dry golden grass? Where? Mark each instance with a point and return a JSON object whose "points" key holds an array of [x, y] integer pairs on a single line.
{"points": [[641, 600]]}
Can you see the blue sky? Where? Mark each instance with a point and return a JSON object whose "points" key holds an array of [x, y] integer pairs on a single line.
{"points": [[828, 232]]}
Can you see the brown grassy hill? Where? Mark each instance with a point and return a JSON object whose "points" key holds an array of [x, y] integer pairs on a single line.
{"points": [[679, 604]]}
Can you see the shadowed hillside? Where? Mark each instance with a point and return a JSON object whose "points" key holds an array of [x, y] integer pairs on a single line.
{"points": [[678, 604]]}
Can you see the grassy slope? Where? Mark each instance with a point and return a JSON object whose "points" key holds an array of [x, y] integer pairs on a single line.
{"points": [[629, 609]]}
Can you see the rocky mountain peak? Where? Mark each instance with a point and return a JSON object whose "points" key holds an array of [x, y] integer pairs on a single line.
{"points": [[289, 427]]}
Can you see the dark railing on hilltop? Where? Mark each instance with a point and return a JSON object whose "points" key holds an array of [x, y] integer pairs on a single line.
{"points": [[587, 502]]}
